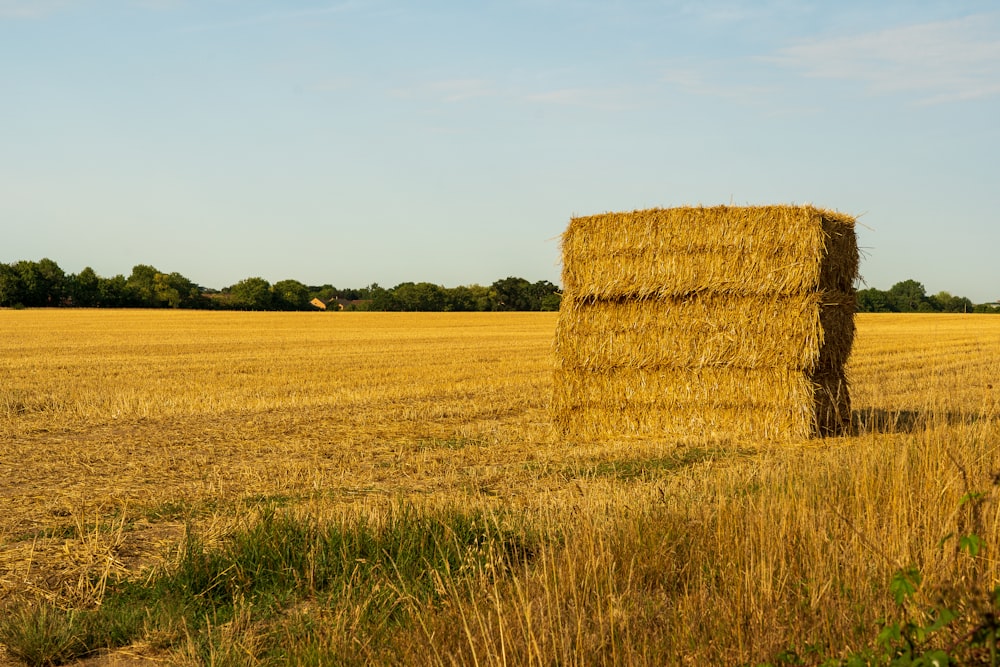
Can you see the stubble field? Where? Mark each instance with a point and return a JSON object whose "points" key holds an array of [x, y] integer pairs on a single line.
{"points": [[125, 434]]}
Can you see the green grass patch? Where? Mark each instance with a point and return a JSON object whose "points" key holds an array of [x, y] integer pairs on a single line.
{"points": [[647, 468], [448, 443], [63, 531], [372, 573]]}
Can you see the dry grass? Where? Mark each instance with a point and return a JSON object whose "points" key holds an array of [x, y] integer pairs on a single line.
{"points": [[115, 427]]}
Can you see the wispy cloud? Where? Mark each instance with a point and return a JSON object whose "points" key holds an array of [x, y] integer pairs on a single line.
{"points": [[156, 5], [455, 91], [280, 16], [938, 62], [447, 90], [333, 84], [32, 9], [459, 90], [597, 98], [699, 81]]}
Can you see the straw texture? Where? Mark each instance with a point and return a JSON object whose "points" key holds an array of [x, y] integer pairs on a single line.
{"points": [[725, 321]]}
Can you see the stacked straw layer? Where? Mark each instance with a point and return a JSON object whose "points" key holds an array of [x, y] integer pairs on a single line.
{"points": [[725, 321], [781, 250], [708, 329], [770, 403]]}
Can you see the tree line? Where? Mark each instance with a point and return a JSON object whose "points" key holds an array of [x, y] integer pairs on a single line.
{"points": [[43, 283], [910, 296]]}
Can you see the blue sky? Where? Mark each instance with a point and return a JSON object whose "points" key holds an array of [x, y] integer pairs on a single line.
{"points": [[451, 142]]}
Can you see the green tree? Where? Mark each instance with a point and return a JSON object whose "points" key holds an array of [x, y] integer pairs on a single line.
{"points": [[291, 295], [11, 288], [909, 296], [513, 294], [873, 300], [83, 288], [113, 292], [545, 296], [141, 286], [323, 292], [40, 283], [948, 303], [164, 292], [252, 294], [485, 297], [419, 297], [54, 281], [460, 300], [380, 298]]}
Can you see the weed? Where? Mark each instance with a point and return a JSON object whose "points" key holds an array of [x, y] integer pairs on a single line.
{"points": [[43, 634], [956, 623]]}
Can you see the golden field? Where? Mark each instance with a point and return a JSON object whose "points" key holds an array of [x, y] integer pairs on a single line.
{"points": [[117, 428]]}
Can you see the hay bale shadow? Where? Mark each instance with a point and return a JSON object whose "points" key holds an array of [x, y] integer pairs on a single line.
{"points": [[882, 421]]}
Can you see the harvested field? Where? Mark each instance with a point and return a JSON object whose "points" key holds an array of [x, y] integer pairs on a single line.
{"points": [[122, 430]]}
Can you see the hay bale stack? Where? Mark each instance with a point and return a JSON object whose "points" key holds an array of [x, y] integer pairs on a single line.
{"points": [[724, 321]]}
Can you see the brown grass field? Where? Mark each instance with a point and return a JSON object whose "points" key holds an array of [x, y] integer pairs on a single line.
{"points": [[119, 428]]}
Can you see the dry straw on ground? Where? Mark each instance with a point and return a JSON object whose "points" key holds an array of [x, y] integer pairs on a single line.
{"points": [[725, 321]]}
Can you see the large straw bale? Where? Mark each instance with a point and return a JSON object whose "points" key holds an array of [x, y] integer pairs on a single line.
{"points": [[772, 403], [724, 321], [725, 249], [801, 331]]}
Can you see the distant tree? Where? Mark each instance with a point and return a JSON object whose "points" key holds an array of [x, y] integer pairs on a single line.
{"points": [[513, 294], [545, 296], [54, 280], [252, 294], [909, 296], [419, 297], [873, 300], [350, 294], [141, 286], [460, 300], [11, 289], [40, 283], [113, 292], [947, 303], [323, 292], [485, 297], [551, 302], [165, 293], [370, 292], [290, 295], [380, 298], [83, 288], [175, 291], [192, 295]]}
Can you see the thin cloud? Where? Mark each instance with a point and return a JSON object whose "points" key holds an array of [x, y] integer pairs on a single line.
{"points": [[447, 90], [332, 85], [695, 81], [938, 62], [32, 9], [156, 5], [602, 99], [280, 16], [460, 90]]}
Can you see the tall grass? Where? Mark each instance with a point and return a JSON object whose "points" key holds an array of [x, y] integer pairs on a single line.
{"points": [[278, 574], [785, 555]]}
